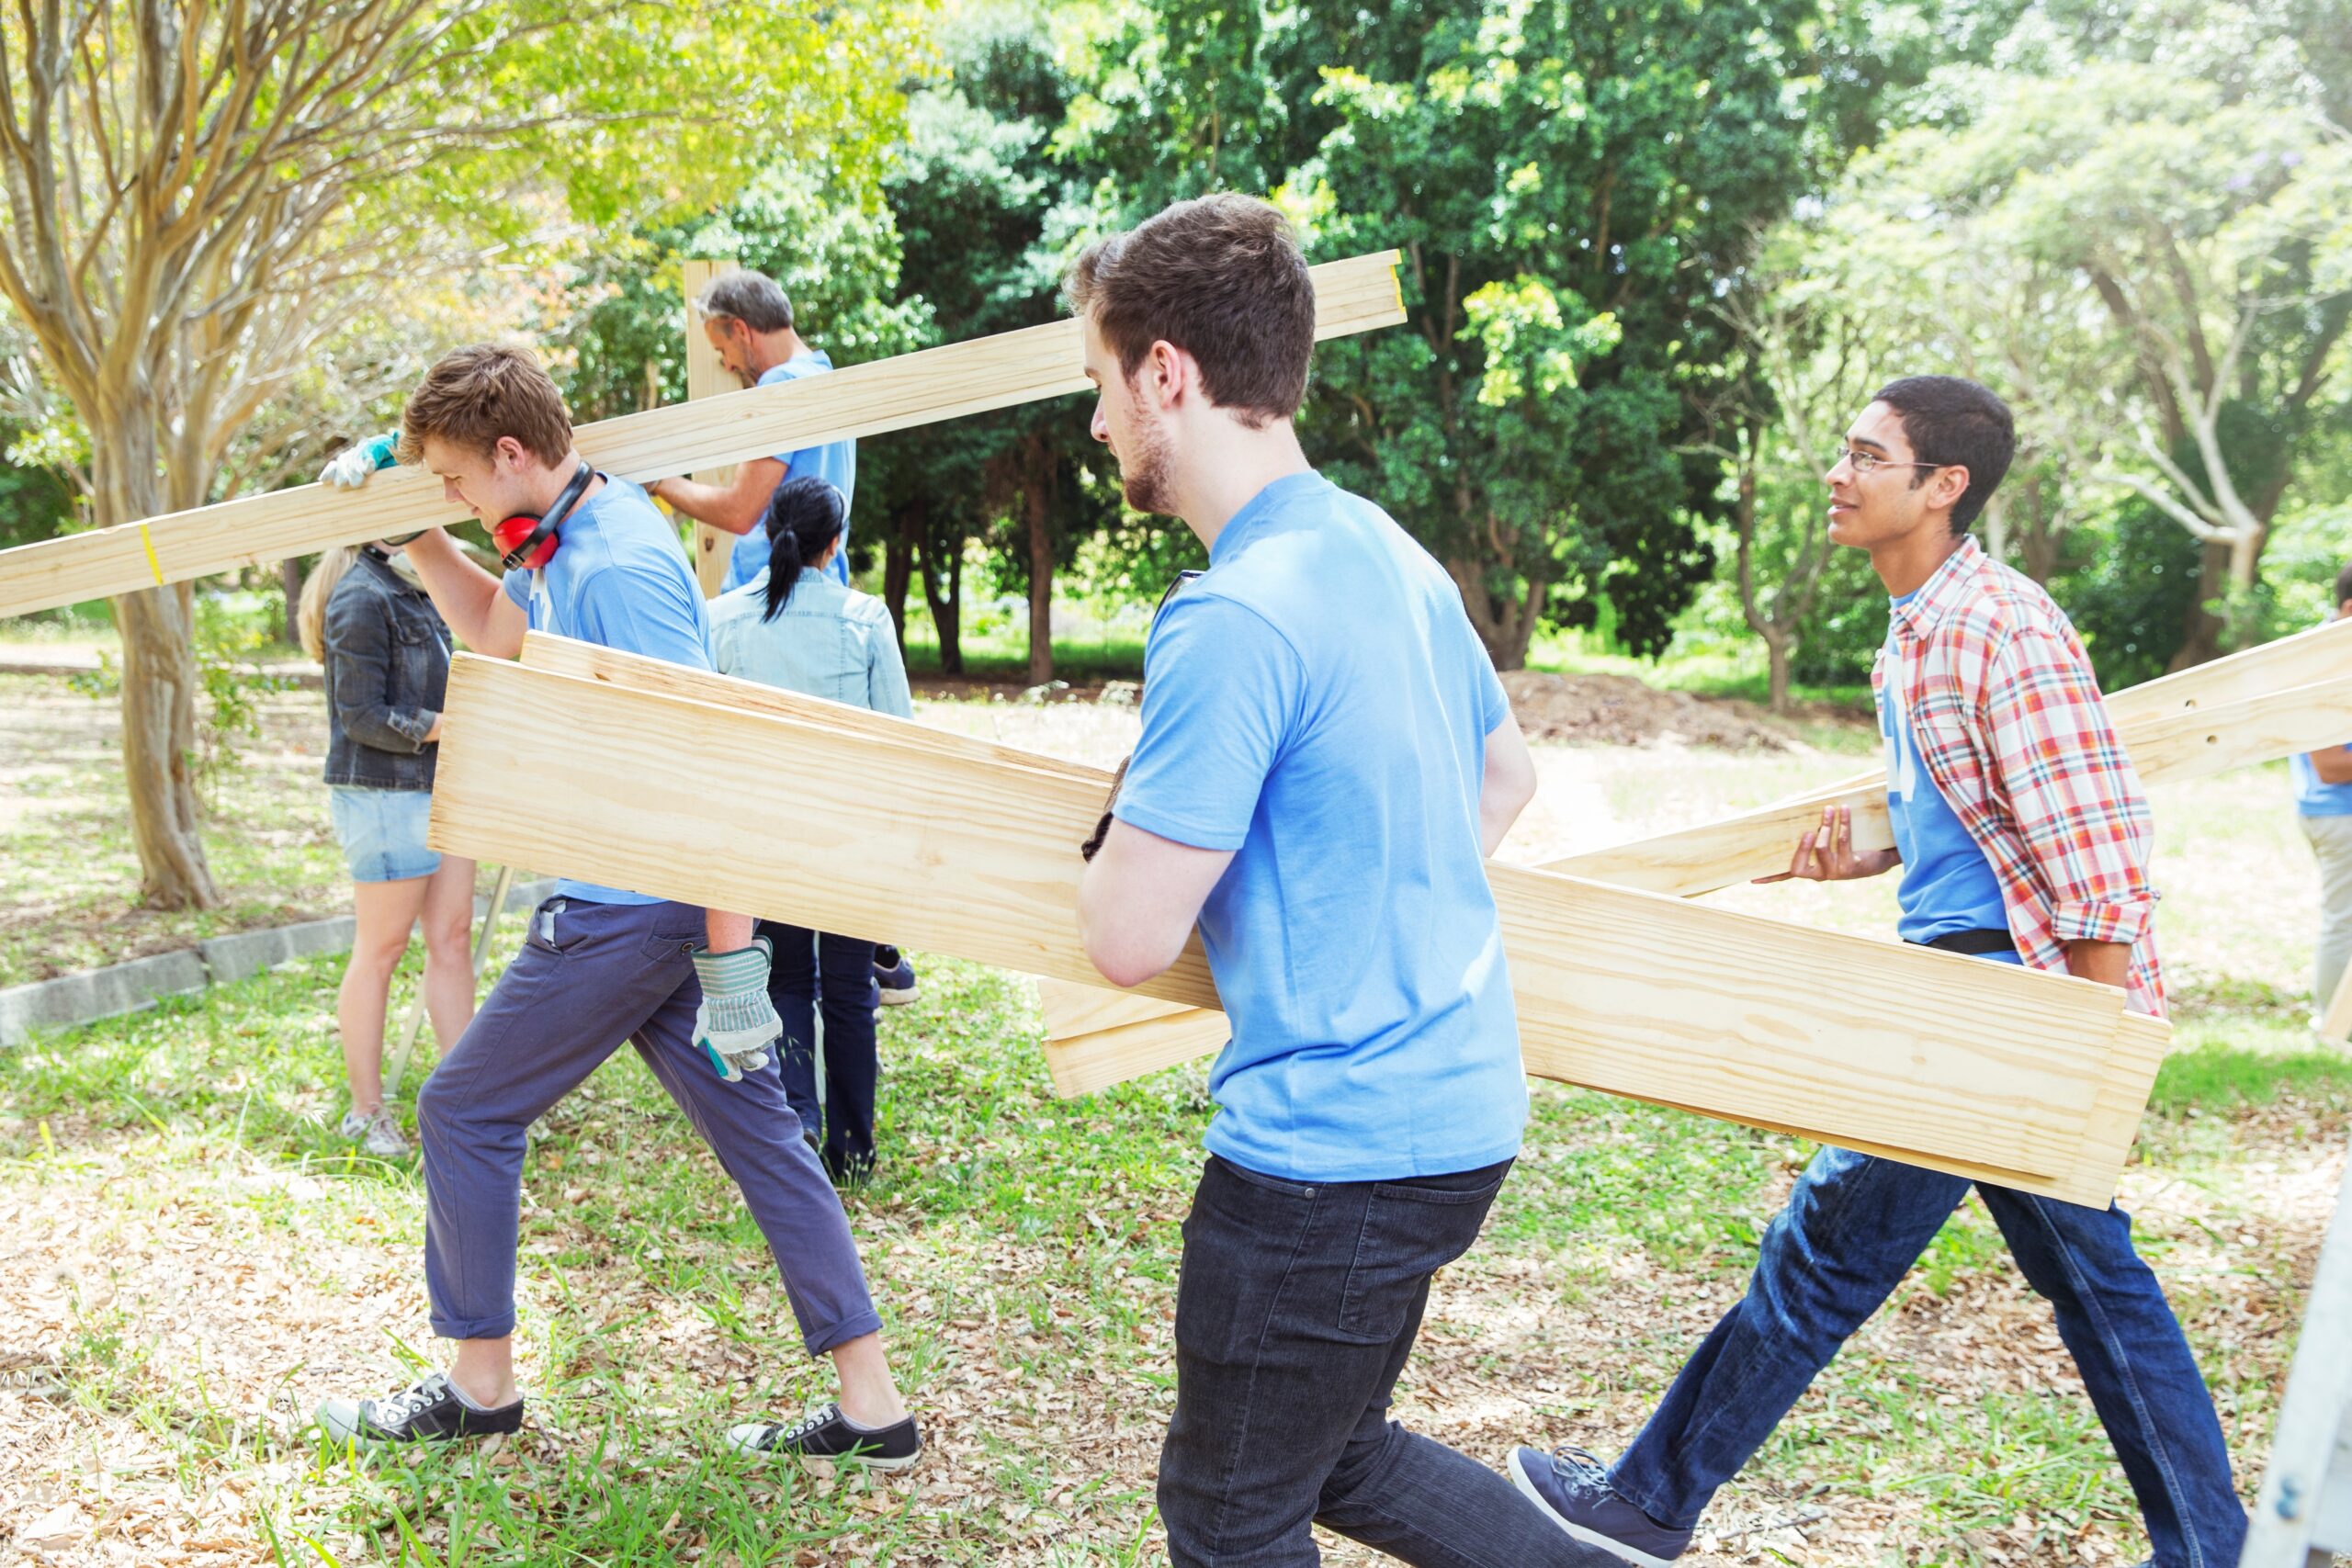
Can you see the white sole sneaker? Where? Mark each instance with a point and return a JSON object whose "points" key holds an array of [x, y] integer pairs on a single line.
{"points": [[1528, 1489]]}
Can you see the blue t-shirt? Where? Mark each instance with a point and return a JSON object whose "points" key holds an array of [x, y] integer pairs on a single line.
{"points": [[1947, 885], [836, 460], [1316, 702], [2314, 799], [616, 578]]}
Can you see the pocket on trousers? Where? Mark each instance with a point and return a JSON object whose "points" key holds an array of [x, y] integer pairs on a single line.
{"points": [[550, 931], [1240, 1239], [670, 947], [1410, 1233]]}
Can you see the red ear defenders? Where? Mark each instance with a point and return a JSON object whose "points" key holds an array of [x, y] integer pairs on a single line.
{"points": [[526, 543]]}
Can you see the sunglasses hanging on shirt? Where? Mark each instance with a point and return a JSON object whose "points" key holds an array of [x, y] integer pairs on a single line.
{"points": [[526, 543]]}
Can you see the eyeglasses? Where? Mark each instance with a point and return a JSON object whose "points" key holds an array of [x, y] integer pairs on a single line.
{"points": [[1869, 463]]}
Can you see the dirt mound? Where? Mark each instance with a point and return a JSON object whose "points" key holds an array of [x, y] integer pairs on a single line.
{"points": [[1622, 711]]}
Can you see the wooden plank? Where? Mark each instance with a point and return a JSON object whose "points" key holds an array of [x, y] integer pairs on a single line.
{"points": [[2319, 654], [1735, 1015], [2167, 747], [593, 662], [2335, 1025], [911, 389], [708, 377]]}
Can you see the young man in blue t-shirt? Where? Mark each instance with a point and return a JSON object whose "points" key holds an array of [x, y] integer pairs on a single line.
{"points": [[1326, 759], [2324, 806], [686, 987]]}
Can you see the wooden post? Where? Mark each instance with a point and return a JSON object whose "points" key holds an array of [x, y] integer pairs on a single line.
{"points": [[706, 377]]}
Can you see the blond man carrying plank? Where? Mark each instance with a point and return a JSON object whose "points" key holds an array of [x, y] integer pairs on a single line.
{"points": [[2023, 838], [590, 557], [1325, 758]]}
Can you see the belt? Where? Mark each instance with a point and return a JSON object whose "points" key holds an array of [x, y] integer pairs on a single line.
{"points": [[1975, 944]]}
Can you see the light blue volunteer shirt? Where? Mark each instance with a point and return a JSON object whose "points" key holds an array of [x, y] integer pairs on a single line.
{"points": [[2314, 799], [1947, 885], [617, 578], [836, 460], [1316, 702], [828, 641]]}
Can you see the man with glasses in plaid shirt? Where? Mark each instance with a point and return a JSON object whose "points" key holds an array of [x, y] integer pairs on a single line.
{"points": [[2023, 838]]}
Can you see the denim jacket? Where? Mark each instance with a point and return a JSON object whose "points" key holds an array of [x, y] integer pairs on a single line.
{"points": [[387, 676], [829, 641]]}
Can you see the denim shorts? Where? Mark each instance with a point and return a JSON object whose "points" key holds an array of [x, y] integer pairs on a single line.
{"points": [[383, 832]]}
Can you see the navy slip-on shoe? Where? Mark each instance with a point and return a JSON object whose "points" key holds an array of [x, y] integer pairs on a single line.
{"points": [[1572, 1487]]}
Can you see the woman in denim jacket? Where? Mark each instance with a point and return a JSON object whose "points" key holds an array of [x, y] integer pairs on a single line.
{"points": [[796, 627], [387, 656]]}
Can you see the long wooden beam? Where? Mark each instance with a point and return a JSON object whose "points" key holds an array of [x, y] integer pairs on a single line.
{"points": [[2170, 741], [1952, 1063], [961, 378]]}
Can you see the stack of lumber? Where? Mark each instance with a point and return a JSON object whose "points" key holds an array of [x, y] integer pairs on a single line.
{"points": [[966, 848]]}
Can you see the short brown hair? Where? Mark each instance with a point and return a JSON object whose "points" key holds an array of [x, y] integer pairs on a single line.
{"points": [[1219, 276], [475, 395]]}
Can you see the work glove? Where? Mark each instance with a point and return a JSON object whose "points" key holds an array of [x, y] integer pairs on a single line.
{"points": [[349, 469], [736, 1022], [1102, 828]]}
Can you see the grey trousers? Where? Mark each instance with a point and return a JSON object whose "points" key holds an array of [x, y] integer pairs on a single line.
{"points": [[2331, 838], [589, 976]]}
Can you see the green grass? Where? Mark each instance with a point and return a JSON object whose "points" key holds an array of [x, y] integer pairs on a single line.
{"points": [[1006, 659], [218, 1261], [1024, 1253]]}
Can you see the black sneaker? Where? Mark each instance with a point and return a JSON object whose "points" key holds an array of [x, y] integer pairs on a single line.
{"points": [[828, 1435], [895, 978], [428, 1412]]}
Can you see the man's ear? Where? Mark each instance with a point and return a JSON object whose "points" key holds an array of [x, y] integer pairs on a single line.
{"points": [[1945, 486], [1172, 373]]}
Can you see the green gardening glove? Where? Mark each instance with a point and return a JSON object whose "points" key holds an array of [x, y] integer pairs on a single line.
{"points": [[736, 1022]]}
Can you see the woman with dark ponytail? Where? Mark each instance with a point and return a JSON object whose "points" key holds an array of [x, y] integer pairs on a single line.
{"points": [[796, 628]]}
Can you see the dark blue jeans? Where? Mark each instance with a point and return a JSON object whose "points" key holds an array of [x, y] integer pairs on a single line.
{"points": [[818, 975], [1296, 1309], [1853, 1227]]}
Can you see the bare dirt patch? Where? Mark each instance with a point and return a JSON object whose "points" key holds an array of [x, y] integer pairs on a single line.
{"points": [[1623, 711]]}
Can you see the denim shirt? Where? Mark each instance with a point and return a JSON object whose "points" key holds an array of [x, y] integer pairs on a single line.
{"points": [[829, 641], [387, 676]]}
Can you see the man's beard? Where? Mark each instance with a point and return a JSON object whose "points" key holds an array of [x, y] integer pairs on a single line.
{"points": [[1143, 478]]}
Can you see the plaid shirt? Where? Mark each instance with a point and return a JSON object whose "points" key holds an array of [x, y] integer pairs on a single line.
{"points": [[2009, 721]]}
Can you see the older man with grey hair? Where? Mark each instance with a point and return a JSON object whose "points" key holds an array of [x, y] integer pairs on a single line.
{"points": [[748, 321]]}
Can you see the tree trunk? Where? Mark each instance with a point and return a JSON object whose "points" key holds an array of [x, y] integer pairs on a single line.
{"points": [[1038, 497], [2201, 638], [946, 613], [290, 584], [1777, 653], [158, 687], [158, 743], [1505, 626], [897, 565]]}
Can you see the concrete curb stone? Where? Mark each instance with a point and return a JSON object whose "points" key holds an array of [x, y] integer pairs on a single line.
{"points": [[71, 1000]]}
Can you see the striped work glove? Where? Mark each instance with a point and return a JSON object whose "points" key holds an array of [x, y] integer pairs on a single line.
{"points": [[736, 1022]]}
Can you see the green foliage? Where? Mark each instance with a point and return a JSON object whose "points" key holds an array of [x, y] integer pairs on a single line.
{"points": [[231, 634], [2131, 603], [1568, 187]]}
